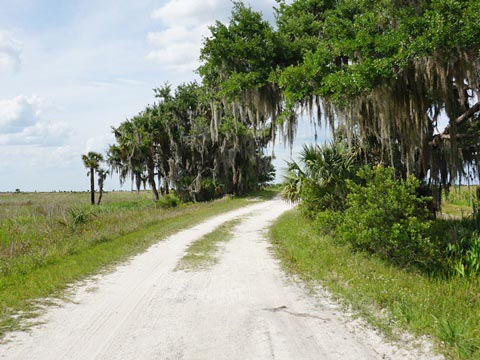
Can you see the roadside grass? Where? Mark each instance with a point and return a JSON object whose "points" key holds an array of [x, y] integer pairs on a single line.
{"points": [[456, 211], [457, 203], [50, 241], [201, 253], [461, 195], [391, 299]]}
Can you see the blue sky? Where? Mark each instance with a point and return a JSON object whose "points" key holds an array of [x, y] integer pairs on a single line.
{"points": [[70, 70]]}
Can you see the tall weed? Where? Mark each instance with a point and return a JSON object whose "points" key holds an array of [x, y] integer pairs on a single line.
{"points": [[465, 256]]}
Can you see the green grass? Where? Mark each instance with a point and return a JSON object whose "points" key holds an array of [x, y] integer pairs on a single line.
{"points": [[390, 298], [201, 253], [456, 211], [461, 195], [49, 241], [458, 202]]}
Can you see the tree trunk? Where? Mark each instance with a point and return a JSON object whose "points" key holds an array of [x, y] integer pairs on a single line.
{"points": [[92, 186], [234, 180], [159, 182], [100, 194], [151, 178], [138, 183]]}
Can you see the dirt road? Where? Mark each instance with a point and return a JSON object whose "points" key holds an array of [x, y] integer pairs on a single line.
{"points": [[243, 307]]}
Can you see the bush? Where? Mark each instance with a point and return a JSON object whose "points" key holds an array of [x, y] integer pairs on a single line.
{"points": [[80, 215], [320, 180], [169, 201], [384, 216], [328, 221]]}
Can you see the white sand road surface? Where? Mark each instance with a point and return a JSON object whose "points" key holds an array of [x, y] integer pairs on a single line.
{"points": [[243, 307]]}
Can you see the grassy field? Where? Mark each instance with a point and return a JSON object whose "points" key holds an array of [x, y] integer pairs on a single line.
{"points": [[50, 240], [447, 310]]}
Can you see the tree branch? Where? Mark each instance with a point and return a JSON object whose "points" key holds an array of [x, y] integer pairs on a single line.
{"points": [[466, 115]]}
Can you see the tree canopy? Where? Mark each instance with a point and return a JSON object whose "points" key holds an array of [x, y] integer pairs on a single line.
{"points": [[174, 142], [389, 73], [392, 70]]}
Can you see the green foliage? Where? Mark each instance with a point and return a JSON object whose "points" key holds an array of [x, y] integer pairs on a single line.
{"points": [[180, 143], [465, 255], [321, 181], [369, 42], [92, 160], [239, 56], [476, 208], [382, 70], [209, 190], [168, 201], [445, 310], [384, 216], [79, 215]]}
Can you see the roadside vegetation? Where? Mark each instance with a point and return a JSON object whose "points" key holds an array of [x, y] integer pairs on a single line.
{"points": [[48, 241], [375, 240], [444, 309], [201, 253], [458, 202]]}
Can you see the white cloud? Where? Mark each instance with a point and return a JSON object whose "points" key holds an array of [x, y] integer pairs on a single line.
{"points": [[190, 13], [176, 55], [22, 123], [10, 49], [178, 47], [100, 143], [60, 157], [176, 34], [19, 112]]}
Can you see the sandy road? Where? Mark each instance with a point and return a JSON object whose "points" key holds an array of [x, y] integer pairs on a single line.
{"points": [[241, 308]]}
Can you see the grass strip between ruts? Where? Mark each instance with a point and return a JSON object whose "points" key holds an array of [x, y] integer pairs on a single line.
{"points": [[201, 253]]}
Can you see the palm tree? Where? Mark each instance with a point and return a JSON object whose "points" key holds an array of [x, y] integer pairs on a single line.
{"points": [[92, 161], [323, 177]]}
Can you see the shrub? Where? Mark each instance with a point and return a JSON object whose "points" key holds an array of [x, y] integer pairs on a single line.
{"points": [[384, 216], [328, 221], [168, 201], [476, 208], [320, 180], [80, 215]]}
